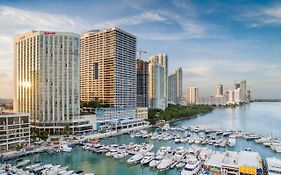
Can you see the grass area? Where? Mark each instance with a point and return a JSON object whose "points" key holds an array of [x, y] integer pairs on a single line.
{"points": [[173, 112]]}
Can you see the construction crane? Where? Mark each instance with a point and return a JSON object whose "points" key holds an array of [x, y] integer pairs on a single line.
{"points": [[139, 52]]}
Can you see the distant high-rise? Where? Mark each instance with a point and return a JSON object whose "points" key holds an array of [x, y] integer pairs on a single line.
{"points": [[237, 96], [231, 97], [248, 96], [172, 85], [192, 95], [243, 87], [108, 68], [175, 87], [158, 81], [142, 83], [219, 90], [237, 85], [46, 78]]}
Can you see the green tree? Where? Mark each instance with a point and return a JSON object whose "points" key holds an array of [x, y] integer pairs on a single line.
{"points": [[67, 129]]}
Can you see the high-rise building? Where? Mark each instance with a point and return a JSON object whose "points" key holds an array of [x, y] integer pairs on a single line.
{"points": [[237, 96], [219, 90], [142, 83], [248, 96], [158, 81], [243, 88], [108, 68], [178, 73], [172, 88], [237, 85], [231, 97], [46, 79], [156, 98], [192, 95], [175, 87]]}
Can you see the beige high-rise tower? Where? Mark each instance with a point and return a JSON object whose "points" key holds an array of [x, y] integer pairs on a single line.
{"points": [[46, 78], [107, 68]]}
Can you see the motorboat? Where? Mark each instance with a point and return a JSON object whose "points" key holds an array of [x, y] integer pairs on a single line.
{"points": [[181, 163], [147, 158], [30, 167], [66, 148], [162, 151], [135, 158], [204, 154], [192, 167], [180, 153], [120, 154], [166, 127], [165, 163], [194, 150], [22, 163], [231, 141], [155, 162]]}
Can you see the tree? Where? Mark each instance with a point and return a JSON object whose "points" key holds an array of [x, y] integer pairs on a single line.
{"points": [[66, 129]]}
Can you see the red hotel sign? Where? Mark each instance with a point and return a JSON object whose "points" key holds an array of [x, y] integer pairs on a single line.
{"points": [[49, 33]]}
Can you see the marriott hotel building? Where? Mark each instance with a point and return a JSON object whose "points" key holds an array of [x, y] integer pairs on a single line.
{"points": [[46, 80]]}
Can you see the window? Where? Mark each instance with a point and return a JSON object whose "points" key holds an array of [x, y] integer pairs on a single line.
{"points": [[96, 71]]}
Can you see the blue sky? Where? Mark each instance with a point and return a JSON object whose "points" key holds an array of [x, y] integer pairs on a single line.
{"points": [[215, 42]]}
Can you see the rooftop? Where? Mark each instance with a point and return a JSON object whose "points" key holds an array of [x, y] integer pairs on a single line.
{"points": [[216, 159], [250, 159]]}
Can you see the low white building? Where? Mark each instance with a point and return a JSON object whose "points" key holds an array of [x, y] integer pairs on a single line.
{"points": [[14, 130], [118, 118], [142, 113]]}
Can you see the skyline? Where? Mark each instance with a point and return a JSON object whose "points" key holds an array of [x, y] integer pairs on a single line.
{"points": [[214, 42]]}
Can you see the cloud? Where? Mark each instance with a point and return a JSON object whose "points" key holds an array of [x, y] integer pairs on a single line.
{"points": [[11, 17], [131, 20], [260, 16]]}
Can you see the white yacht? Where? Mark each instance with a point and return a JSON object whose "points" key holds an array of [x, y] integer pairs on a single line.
{"points": [[273, 166], [231, 141], [155, 161], [147, 158], [162, 151], [66, 148], [180, 153], [135, 159], [165, 163], [204, 154], [120, 154], [192, 167], [166, 127], [22, 163]]}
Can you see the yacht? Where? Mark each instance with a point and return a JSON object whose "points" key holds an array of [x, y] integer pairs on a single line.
{"points": [[192, 167], [120, 154], [204, 154], [181, 163], [273, 166], [147, 158], [165, 163], [180, 153], [155, 161], [231, 141], [22, 163], [66, 148], [166, 127], [194, 150], [135, 159], [162, 151]]}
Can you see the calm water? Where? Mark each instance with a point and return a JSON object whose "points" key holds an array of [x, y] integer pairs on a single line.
{"points": [[256, 117]]}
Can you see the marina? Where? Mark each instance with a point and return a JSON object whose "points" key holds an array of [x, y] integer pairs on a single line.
{"points": [[217, 149]]}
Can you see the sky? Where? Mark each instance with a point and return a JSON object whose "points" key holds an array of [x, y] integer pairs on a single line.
{"points": [[215, 42]]}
